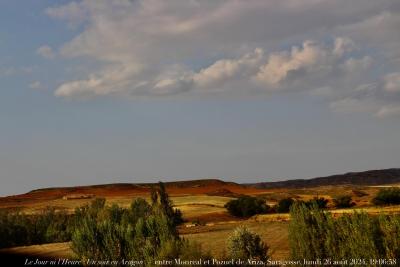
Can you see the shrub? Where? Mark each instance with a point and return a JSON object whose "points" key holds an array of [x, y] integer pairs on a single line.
{"points": [[308, 226], [143, 232], [283, 205], [246, 206], [244, 244], [114, 233], [315, 234], [390, 231], [343, 201], [387, 196], [318, 202]]}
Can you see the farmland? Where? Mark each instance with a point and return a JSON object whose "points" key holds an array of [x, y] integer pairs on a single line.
{"points": [[202, 204]]}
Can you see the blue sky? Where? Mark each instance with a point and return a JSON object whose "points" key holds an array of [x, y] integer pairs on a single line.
{"points": [[118, 91]]}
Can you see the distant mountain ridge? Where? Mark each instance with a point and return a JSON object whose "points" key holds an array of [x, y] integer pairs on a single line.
{"points": [[372, 177]]}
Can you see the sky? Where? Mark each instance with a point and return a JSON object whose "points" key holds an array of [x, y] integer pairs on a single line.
{"points": [[107, 91]]}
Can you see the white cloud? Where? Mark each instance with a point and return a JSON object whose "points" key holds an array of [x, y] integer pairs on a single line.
{"points": [[372, 98], [388, 111], [73, 12], [342, 46], [378, 31], [392, 82], [357, 64], [159, 48], [229, 69], [112, 80], [312, 65], [36, 85], [283, 64], [46, 52]]}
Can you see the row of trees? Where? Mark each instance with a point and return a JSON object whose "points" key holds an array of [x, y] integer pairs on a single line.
{"points": [[46, 227], [247, 206]]}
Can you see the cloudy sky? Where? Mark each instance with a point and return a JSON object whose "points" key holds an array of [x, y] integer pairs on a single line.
{"points": [[136, 91]]}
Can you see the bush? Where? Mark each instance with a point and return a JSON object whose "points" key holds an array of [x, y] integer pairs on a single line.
{"points": [[343, 201], [387, 196], [244, 244], [143, 232], [315, 234], [246, 206], [318, 202], [113, 233], [284, 205]]}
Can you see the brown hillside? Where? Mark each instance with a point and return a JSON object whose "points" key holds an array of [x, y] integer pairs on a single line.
{"points": [[193, 187]]}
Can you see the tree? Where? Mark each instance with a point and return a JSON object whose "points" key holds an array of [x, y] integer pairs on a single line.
{"points": [[246, 206], [284, 205], [343, 201], [160, 199], [387, 196], [319, 202], [244, 244]]}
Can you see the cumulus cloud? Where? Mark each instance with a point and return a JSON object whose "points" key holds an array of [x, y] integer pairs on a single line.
{"points": [[46, 52], [112, 80], [160, 48], [229, 69], [300, 61]]}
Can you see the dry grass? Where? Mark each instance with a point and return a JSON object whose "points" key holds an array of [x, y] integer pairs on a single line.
{"points": [[213, 238]]}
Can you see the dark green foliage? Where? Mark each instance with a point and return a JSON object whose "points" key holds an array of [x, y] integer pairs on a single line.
{"points": [[160, 198], [306, 232], [283, 205], [343, 201], [246, 206], [142, 232], [387, 196], [320, 202], [46, 227], [114, 233], [244, 244], [139, 209], [390, 231], [315, 234]]}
